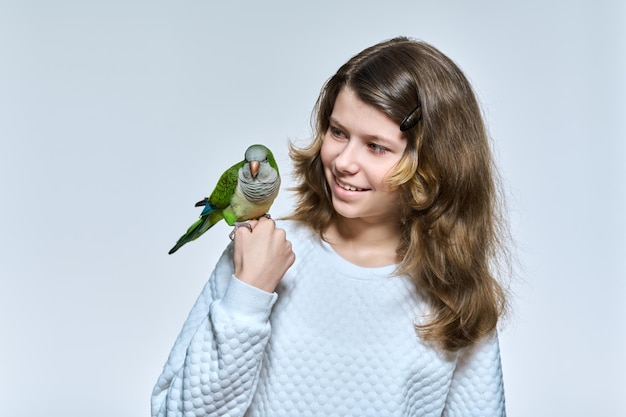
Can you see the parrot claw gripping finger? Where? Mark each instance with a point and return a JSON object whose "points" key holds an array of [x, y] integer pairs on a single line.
{"points": [[237, 226]]}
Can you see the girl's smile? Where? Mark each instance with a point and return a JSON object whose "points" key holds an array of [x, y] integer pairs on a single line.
{"points": [[348, 187]]}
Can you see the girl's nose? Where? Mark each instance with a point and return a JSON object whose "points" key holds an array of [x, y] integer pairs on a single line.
{"points": [[347, 160]]}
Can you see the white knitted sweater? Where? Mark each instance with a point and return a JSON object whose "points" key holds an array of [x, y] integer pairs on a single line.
{"points": [[335, 339]]}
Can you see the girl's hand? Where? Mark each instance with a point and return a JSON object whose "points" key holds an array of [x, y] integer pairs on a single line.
{"points": [[262, 257]]}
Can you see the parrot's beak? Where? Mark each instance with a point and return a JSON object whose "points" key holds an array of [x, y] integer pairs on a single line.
{"points": [[254, 168]]}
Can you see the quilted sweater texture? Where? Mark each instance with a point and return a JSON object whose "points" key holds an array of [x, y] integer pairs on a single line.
{"points": [[335, 339]]}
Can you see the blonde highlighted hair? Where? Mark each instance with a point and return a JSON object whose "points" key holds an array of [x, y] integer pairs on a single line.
{"points": [[450, 225]]}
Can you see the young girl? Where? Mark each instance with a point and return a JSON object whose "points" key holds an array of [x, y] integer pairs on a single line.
{"points": [[376, 297]]}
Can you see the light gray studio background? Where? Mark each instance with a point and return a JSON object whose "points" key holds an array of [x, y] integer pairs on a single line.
{"points": [[117, 116]]}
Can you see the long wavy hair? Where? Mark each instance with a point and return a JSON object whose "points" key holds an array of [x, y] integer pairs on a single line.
{"points": [[451, 224]]}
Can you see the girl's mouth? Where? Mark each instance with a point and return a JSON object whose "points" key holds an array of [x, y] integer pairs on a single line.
{"points": [[348, 187]]}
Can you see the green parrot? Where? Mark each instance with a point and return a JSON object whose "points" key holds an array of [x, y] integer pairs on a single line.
{"points": [[244, 191]]}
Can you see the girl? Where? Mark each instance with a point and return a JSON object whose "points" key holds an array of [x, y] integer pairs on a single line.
{"points": [[377, 296]]}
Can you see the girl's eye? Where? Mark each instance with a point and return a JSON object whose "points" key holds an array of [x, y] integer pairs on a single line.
{"points": [[336, 132], [377, 148]]}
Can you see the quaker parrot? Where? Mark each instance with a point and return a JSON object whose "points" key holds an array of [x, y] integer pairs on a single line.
{"points": [[244, 191]]}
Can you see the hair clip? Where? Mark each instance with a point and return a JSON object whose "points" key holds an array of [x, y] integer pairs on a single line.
{"points": [[411, 119]]}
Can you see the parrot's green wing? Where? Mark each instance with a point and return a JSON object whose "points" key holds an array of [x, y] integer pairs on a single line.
{"points": [[225, 188]]}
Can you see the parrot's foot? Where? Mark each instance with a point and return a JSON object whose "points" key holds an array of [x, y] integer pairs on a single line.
{"points": [[267, 215], [237, 226]]}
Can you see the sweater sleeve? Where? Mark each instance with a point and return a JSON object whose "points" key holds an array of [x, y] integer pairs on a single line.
{"points": [[477, 388], [214, 365]]}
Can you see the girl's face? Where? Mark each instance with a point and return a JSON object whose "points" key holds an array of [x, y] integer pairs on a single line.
{"points": [[360, 148]]}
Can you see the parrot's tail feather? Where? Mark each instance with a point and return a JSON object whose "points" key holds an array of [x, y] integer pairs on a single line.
{"points": [[192, 234], [196, 230]]}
